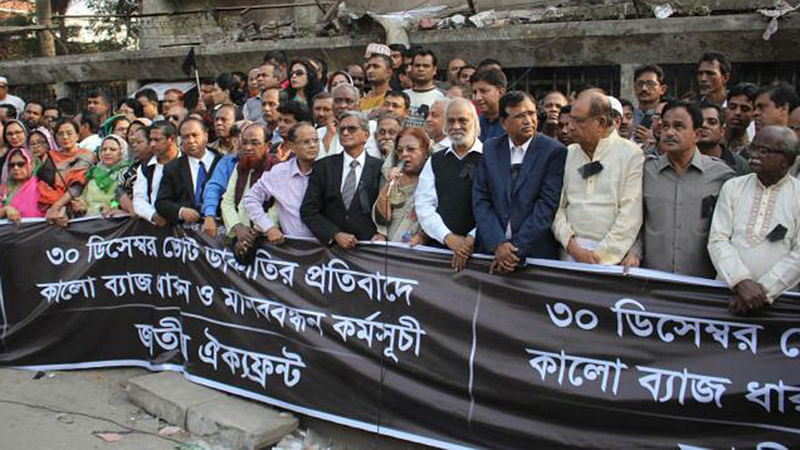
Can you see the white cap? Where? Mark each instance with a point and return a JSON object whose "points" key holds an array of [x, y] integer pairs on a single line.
{"points": [[615, 105], [379, 49], [4, 80]]}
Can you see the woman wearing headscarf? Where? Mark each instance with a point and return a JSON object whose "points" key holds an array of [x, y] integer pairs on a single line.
{"points": [[19, 194], [62, 176], [40, 142], [99, 196]]}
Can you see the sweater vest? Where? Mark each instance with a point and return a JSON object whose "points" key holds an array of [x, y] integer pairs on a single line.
{"points": [[453, 181]]}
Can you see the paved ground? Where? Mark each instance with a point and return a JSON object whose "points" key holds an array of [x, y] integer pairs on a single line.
{"points": [[67, 410]]}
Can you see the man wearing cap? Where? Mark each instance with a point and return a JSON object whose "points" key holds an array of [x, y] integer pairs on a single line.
{"points": [[379, 73], [754, 240], [8, 99]]}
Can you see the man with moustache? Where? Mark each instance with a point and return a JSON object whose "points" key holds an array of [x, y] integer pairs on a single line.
{"points": [[517, 188], [552, 103], [713, 73], [711, 142], [286, 184], [254, 160], [739, 116], [224, 118], [680, 191], [754, 240], [444, 194]]}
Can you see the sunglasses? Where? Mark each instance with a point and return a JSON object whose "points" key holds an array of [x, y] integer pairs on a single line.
{"points": [[18, 165], [298, 73], [175, 118], [351, 129]]}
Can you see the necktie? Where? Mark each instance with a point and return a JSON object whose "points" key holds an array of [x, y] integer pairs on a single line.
{"points": [[349, 188], [198, 188], [515, 172]]}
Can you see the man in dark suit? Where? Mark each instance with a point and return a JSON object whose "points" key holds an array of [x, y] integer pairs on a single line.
{"points": [[518, 187], [343, 187], [180, 195]]}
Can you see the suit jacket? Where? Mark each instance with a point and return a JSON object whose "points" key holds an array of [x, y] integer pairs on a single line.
{"points": [[529, 204], [323, 209], [177, 190]]}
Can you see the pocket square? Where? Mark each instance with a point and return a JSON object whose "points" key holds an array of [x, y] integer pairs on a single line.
{"points": [[590, 169], [777, 233]]}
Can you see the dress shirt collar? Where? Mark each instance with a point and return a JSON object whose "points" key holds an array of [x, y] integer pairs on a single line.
{"points": [[477, 146], [523, 147], [153, 161], [697, 161], [362, 158], [603, 146], [208, 159], [294, 169]]}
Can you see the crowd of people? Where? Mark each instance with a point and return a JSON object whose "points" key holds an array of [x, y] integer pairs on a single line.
{"points": [[702, 185]]}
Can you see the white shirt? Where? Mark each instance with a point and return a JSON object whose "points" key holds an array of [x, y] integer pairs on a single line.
{"points": [[745, 214], [144, 206], [194, 166], [444, 144], [18, 103], [335, 148], [362, 158], [426, 200], [518, 152], [92, 142]]}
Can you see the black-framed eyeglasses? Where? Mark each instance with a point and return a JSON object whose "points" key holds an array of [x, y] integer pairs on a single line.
{"points": [[351, 129], [18, 164]]}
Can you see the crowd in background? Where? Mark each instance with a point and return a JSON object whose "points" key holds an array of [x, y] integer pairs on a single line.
{"points": [[702, 184]]}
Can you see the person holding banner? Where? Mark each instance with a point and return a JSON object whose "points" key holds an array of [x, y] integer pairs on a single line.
{"points": [[601, 202], [517, 187], [180, 196], [163, 142], [680, 191], [754, 240], [343, 187]]}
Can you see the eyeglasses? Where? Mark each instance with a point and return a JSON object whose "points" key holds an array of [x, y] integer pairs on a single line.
{"points": [[764, 150], [175, 118], [351, 129], [650, 84], [298, 73], [19, 164]]}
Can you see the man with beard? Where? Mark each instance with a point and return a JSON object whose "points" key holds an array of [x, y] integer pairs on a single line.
{"points": [[680, 190], [552, 103], [254, 160], [286, 183], [423, 91], [517, 188], [338, 203], [379, 73], [601, 202], [754, 240], [163, 141], [713, 73], [180, 196], [488, 86], [444, 194], [32, 116], [711, 143], [739, 116], [434, 126], [224, 118]]}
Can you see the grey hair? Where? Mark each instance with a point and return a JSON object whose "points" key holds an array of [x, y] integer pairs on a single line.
{"points": [[446, 102], [363, 120], [473, 112], [788, 139], [346, 86]]}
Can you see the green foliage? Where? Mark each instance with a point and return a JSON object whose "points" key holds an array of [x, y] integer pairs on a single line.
{"points": [[122, 30]]}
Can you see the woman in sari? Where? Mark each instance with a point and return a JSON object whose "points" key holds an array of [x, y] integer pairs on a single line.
{"points": [[19, 194], [15, 134], [40, 141], [99, 196], [139, 146], [62, 176]]}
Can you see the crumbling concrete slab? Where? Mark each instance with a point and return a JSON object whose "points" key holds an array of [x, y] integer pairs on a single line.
{"points": [[169, 396], [240, 424]]}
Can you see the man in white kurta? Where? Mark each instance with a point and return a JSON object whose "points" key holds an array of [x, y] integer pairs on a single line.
{"points": [[600, 212], [754, 240]]}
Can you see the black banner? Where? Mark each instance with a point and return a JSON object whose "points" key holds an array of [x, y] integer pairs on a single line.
{"points": [[390, 340]]}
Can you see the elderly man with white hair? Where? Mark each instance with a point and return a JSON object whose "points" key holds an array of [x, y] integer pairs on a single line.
{"points": [[754, 240], [444, 194]]}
